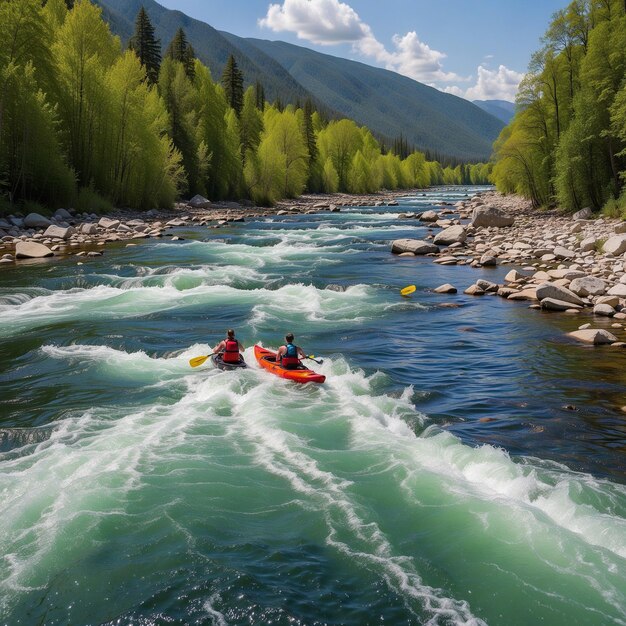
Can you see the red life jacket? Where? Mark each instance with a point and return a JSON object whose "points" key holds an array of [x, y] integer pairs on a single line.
{"points": [[231, 352], [290, 359]]}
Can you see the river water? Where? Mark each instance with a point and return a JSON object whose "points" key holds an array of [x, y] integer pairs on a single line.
{"points": [[135, 490]]}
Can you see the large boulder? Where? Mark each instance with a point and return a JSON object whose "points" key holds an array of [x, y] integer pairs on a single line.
{"points": [[615, 245], [552, 304], [416, 246], [554, 292], [451, 235], [34, 220], [583, 214], [59, 232], [561, 252], [429, 216], [31, 250], [199, 202], [588, 244], [490, 217], [594, 336], [108, 223], [588, 286], [62, 214], [620, 228], [88, 229]]}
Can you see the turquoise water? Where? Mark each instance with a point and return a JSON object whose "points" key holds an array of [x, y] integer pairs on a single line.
{"points": [[135, 490]]}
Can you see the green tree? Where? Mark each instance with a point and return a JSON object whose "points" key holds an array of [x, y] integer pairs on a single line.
{"points": [[251, 122], [146, 46], [182, 51], [232, 81]]}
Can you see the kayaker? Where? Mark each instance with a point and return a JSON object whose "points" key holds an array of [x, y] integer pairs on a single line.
{"points": [[229, 348], [289, 355]]}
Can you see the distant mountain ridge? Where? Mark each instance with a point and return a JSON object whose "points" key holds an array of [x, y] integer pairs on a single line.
{"points": [[388, 103], [502, 109]]}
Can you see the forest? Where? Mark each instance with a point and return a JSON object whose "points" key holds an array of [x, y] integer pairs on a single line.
{"points": [[88, 123], [566, 145]]}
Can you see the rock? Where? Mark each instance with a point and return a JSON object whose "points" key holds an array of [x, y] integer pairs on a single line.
{"points": [[58, 232], [584, 214], [62, 214], [34, 220], [604, 310], [447, 260], [108, 224], [563, 253], [610, 300], [551, 304], [554, 292], [282, 212], [620, 228], [392, 203], [416, 246], [513, 276], [589, 243], [506, 292], [429, 216], [487, 285], [321, 205], [474, 290], [488, 260], [447, 288], [199, 202], [451, 235], [490, 217], [31, 250], [93, 253], [524, 294], [175, 223], [588, 286], [615, 245], [88, 229], [618, 290], [338, 288], [584, 327], [594, 336], [406, 254]]}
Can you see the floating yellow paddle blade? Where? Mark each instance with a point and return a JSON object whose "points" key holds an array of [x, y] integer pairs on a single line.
{"points": [[199, 360], [407, 291]]}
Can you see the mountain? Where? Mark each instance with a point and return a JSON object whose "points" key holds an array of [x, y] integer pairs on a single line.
{"points": [[388, 103], [211, 47], [502, 109]]}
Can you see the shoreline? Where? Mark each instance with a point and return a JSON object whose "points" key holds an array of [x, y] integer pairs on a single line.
{"points": [[568, 264], [69, 233]]}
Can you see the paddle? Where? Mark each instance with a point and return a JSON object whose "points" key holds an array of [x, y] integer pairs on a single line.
{"points": [[407, 291], [311, 357], [199, 360]]}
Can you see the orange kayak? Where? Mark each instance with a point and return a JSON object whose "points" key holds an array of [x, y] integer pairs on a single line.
{"points": [[267, 360]]}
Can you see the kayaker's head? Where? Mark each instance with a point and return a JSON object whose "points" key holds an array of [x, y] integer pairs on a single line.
{"points": [[289, 337], [231, 333]]}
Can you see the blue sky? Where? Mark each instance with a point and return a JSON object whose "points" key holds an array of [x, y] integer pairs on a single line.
{"points": [[477, 49]]}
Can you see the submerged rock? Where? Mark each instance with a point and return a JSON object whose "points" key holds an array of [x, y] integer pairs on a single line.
{"points": [[594, 336]]}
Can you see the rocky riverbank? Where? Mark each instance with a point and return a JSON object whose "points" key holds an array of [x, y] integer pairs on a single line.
{"points": [[68, 232], [569, 264]]}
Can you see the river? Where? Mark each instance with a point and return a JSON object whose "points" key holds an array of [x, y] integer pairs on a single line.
{"points": [[136, 490]]}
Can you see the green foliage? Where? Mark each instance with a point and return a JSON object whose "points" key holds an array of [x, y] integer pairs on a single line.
{"points": [[88, 200], [83, 122], [567, 142]]}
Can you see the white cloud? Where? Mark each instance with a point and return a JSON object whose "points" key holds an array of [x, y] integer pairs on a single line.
{"points": [[324, 22], [500, 84], [332, 22]]}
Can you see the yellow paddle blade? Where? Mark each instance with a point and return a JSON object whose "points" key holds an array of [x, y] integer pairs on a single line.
{"points": [[408, 290], [199, 360]]}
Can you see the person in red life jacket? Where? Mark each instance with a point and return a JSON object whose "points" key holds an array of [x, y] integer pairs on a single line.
{"points": [[229, 348], [289, 355]]}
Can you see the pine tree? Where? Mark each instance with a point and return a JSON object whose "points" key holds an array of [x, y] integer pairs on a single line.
{"points": [[260, 95], [181, 50], [232, 81], [146, 46]]}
